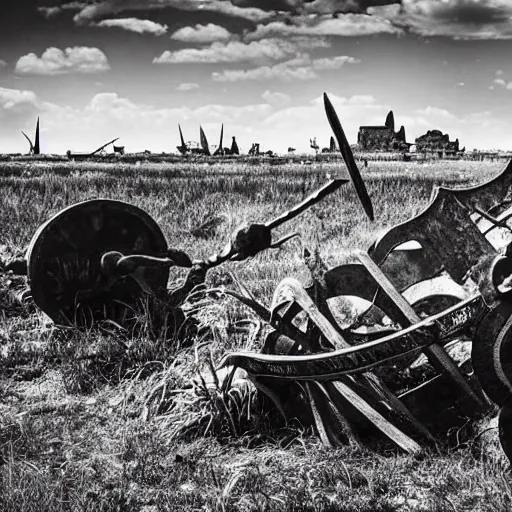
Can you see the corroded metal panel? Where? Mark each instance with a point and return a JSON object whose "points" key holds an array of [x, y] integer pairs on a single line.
{"points": [[446, 233]]}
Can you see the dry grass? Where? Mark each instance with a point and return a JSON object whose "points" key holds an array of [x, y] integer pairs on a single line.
{"points": [[104, 421]]}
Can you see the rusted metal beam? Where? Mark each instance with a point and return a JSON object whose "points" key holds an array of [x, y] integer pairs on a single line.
{"points": [[436, 355]]}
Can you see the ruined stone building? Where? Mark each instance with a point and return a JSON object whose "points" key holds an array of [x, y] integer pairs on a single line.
{"points": [[382, 138], [435, 142]]}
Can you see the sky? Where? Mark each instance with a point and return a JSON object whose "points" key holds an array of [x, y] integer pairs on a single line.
{"points": [[98, 69]]}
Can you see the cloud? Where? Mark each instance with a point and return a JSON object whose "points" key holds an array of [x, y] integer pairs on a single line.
{"points": [[276, 98], [352, 25], [334, 62], [53, 61], [2, 63], [301, 68], [54, 10], [49, 12], [237, 51], [187, 87], [500, 82], [285, 72], [202, 34], [98, 10], [458, 19], [436, 112], [17, 100], [135, 25], [253, 10], [341, 6]]}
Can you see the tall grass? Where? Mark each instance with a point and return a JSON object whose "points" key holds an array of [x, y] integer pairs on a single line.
{"points": [[101, 421]]}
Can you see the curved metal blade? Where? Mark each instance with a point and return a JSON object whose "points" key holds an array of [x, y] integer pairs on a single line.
{"points": [[29, 141], [346, 152]]}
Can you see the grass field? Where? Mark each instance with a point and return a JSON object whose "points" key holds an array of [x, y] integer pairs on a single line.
{"points": [[97, 421]]}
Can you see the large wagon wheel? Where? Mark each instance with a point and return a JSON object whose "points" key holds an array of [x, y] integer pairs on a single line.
{"points": [[64, 263], [492, 361]]}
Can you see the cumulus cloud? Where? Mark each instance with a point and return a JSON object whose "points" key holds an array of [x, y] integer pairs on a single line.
{"points": [[52, 11], [2, 63], [254, 10], [500, 82], [347, 25], [98, 10], [49, 12], [334, 62], [341, 6], [276, 98], [135, 25], [17, 100], [300, 68], [53, 61], [285, 71], [458, 19], [202, 34], [187, 87], [237, 51]]}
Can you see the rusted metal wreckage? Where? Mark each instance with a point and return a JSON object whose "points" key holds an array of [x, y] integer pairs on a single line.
{"points": [[83, 156], [204, 148], [35, 148], [97, 260]]}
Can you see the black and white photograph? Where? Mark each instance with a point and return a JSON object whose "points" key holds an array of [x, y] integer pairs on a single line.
{"points": [[255, 255]]}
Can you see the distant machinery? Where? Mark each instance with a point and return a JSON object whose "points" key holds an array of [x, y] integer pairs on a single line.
{"points": [[313, 144], [77, 156], [220, 151], [331, 148], [183, 148], [204, 142], [203, 148], [119, 150], [255, 149], [35, 148], [291, 150], [234, 147]]}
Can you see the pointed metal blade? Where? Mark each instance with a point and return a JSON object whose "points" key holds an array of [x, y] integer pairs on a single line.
{"points": [[346, 152], [29, 141], [204, 141], [37, 149], [183, 145]]}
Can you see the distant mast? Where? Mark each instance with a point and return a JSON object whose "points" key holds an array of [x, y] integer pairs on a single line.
{"points": [[183, 148], [204, 142], [37, 149], [220, 150]]}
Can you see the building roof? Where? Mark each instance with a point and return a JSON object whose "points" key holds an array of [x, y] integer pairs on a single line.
{"points": [[374, 128]]}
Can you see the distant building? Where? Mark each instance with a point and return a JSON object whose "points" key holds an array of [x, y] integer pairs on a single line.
{"points": [[435, 142], [382, 138]]}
